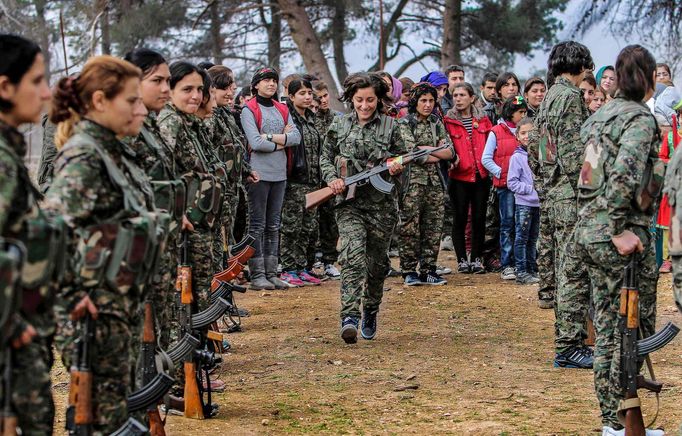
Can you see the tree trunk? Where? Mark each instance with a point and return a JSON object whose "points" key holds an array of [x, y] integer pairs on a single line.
{"points": [[106, 35], [452, 33], [308, 44], [338, 34], [216, 36], [44, 35], [274, 35]]}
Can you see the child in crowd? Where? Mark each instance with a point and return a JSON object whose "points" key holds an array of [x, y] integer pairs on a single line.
{"points": [[499, 148], [527, 215], [598, 99]]}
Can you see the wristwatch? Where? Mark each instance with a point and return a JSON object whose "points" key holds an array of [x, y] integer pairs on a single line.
{"points": [[269, 137]]}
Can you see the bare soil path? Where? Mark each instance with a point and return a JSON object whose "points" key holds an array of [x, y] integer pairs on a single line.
{"points": [[473, 357]]}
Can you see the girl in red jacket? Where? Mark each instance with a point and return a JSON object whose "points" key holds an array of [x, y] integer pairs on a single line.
{"points": [[469, 184]]}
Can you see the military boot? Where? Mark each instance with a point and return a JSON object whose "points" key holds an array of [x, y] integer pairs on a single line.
{"points": [[271, 273], [257, 273]]}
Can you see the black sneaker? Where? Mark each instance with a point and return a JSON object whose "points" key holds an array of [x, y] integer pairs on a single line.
{"points": [[369, 325], [477, 266], [463, 267], [575, 357], [432, 278], [349, 329], [412, 279]]}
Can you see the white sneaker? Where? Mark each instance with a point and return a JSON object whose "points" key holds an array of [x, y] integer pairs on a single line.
{"points": [[508, 273], [443, 270], [608, 431], [331, 272], [446, 244]]}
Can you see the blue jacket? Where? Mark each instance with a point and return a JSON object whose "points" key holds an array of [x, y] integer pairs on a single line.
{"points": [[520, 180]]}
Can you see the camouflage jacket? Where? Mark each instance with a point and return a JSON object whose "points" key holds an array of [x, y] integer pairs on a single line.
{"points": [[311, 143], [323, 119], [181, 132], [18, 203], [85, 194], [230, 143], [46, 167], [151, 152], [621, 173], [554, 149], [348, 151], [420, 133]]}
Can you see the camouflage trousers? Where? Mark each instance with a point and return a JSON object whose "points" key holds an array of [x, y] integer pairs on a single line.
{"points": [[298, 231], [201, 259], [547, 243], [572, 298], [111, 371], [605, 269], [329, 233], [31, 395], [162, 295], [364, 238], [491, 243], [421, 226], [222, 230]]}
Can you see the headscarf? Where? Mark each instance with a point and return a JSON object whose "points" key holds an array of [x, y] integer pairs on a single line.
{"points": [[435, 78], [397, 90], [262, 74], [601, 73]]}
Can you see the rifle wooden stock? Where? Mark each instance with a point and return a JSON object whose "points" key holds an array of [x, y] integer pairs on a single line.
{"points": [[316, 198], [80, 396], [193, 407], [184, 284], [156, 427], [8, 425], [634, 421], [148, 328], [591, 336], [226, 275]]}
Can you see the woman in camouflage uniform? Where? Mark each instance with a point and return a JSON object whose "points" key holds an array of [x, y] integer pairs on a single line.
{"points": [[99, 190], [421, 209], [300, 226], [615, 211], [362, 138], [27, 325], [181, 129]]}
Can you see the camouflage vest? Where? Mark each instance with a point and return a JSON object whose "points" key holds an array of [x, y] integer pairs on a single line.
{"points": [[383, 137], [12, 255], [596, 135], [122, 252]]}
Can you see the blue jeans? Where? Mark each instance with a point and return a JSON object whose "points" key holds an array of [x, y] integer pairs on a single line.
{"points": [[506, 198], [527, 230]]}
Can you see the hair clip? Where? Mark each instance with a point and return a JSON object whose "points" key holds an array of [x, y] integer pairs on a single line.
{"points": [[518, 100]]}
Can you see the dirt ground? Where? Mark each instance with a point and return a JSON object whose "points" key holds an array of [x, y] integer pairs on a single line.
{"points": [[473, 357]]}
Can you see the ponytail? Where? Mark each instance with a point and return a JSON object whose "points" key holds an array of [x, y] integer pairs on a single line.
{"points": [[72, 95]]}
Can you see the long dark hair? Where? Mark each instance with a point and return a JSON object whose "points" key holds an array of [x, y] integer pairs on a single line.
{"points": [[180, 70], [145, 59], [635, 68], [20, 54], [363, 80]]}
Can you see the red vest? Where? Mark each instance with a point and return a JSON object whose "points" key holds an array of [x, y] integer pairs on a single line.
{"points": [[468, 149], [506, 145], [258, 115]]}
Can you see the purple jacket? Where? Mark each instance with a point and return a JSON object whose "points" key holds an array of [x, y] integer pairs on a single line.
{"points": [[520, 179]]}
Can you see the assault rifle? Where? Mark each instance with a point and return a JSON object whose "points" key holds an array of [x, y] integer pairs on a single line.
{"points": [[371, 175], [633, 351], [154, 385], [79, 417], [132, 427]]}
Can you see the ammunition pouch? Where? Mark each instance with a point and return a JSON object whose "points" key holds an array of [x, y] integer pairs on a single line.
{"points": [[12, 255], [151, 393], [203, 196], [170, 196], [46, 257]]}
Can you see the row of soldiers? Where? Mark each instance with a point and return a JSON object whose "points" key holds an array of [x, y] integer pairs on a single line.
{"points": [[149, 162]]}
